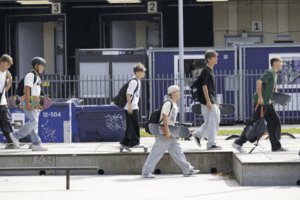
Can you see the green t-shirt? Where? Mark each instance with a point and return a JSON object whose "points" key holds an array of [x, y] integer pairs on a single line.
{"points": [[267, 87]]}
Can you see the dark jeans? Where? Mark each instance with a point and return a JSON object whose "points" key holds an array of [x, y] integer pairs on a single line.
{"points": [[273, 126], [132, 133], [6, 126]]}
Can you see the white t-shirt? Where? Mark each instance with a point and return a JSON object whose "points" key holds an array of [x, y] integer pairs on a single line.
{"points": [[35, 87], [2, 86], [136, 96], [166, 110]]}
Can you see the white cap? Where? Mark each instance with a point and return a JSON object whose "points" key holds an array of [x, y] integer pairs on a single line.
{"points": [[173, 88]]}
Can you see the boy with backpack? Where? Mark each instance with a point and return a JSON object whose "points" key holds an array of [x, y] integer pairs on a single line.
{"points": [[32, 87], [266, 85], [132, 133], [162, 143]]}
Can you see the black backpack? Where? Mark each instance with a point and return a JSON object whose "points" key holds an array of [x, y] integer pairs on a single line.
{"points": [[120, 100], [20, 89], [154, 117], [195, 90]]}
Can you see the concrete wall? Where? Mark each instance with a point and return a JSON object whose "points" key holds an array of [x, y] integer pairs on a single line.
{"points": [[277, 17]]}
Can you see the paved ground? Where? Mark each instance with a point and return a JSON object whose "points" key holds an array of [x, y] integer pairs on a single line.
{"points": [[131, 187], [201, 186]]}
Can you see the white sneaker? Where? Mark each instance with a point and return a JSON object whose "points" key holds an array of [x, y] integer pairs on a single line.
{"points": [[192, 172], [239, 148], [39, 148], [148, 175], [14, 140]]}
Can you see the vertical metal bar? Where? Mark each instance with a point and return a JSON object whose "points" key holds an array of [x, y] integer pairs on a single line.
{"points": [[101, 89], [68, 179]]}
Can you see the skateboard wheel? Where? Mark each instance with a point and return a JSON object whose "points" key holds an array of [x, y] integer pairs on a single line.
{"points": [[145, 149], [121, 150]]}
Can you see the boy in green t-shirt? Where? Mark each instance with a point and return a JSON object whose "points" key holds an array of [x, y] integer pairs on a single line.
{"points": [[266, 85]]}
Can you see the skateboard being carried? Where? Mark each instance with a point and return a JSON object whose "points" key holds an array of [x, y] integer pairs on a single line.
{"points": [[225, 109], [280, 98], [176, 131], [37, 102], [122, 147]]}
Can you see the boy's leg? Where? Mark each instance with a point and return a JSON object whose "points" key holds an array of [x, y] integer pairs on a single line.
{"points": [[27, 128], [178, 156], [203, 129], [5, 123], [159, 148], [274, 127], [126, 140], [134, 135], [213, 125]]}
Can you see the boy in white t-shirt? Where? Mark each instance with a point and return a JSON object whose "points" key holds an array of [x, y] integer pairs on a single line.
{"points": [[31, 88], [167, 142]]}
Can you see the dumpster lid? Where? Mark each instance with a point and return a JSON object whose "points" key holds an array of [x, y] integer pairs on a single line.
{"points": [[97, 108]]}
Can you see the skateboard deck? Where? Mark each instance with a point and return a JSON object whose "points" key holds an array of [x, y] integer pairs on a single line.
{"points": [[225, 109], [280, 98], [35, 101], [176, 131], [118, 146]]}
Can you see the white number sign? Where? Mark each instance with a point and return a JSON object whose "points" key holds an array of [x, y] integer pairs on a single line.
{"points": [[256, 26], [56, 8], [152, 6]]}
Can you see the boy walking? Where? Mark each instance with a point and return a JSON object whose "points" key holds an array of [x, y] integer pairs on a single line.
{"points": [[31, 88], [209, 105], [167, 142], [266, 85], [132, 133], [5, 62]]}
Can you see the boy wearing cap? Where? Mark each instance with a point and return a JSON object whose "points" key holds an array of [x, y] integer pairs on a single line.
{"points": [[209, 105], [31, 88], [167, 142]]}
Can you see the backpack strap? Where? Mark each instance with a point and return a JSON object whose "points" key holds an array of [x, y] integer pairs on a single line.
{"points": [[137, 86], [169, 111]]}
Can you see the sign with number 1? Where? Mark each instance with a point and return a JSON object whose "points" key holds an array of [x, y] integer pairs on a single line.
{"points": [[256, 26]]}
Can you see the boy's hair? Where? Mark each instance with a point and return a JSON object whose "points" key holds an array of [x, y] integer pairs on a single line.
{"points": [[6, 58], [209, 54], [275, 59], [138, 68]]}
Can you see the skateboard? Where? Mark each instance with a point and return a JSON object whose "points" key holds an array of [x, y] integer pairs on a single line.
{"points": [[225, 109], [118, 146], [11, 145], [176, 131], [35, 101], [281, 98]]}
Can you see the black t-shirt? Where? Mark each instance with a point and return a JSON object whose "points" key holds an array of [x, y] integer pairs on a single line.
{"points": [[207, 77]]}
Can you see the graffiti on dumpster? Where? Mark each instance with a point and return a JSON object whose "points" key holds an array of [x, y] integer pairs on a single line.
{"points": [[113, 122], [48, 132]]}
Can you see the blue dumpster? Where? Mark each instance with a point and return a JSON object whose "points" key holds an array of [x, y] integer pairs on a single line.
{"points": [[57, 124], [105, 123]]}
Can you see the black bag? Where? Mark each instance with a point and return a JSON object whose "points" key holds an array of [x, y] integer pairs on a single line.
{"points": [[253, 132], [20, 89], [154, 117], [120, 100], [195, 90]]}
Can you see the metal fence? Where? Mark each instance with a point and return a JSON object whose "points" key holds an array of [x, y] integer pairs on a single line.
{"points": [[232, 87]]}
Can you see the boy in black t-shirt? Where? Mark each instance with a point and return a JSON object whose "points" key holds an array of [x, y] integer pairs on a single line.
{"points": [[209, 106]]}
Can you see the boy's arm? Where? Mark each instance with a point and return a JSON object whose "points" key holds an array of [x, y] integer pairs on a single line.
{"points": [[166, 126], [27, 95], [208, 102], [9, 77]]}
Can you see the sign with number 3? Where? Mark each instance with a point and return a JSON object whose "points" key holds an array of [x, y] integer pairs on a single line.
{"points": [[56, 8]]}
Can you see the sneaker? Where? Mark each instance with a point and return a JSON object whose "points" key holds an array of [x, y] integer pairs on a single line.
{"points": [[280, 150], [191, 172], [10, 146], [39, 148], [14, 140], [239, 148], [148, 175], [214, 147], [197, 140]]}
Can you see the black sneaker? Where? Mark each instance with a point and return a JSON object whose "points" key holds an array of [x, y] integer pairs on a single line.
{"points": [[280, 150], [214, 147], [197, 140]]}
